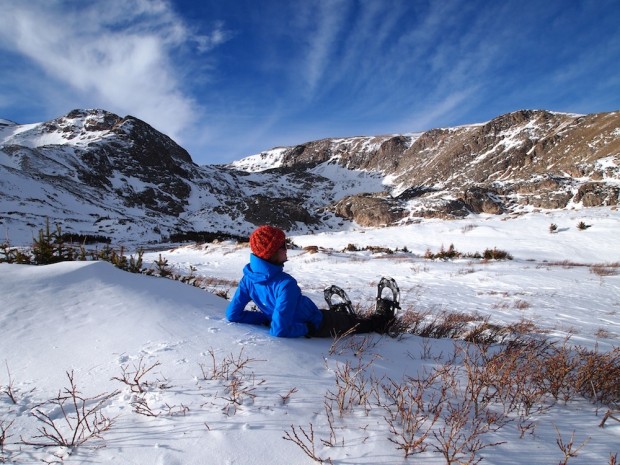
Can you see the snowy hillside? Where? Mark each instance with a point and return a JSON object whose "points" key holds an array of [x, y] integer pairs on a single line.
{"points": [[221, 393]]}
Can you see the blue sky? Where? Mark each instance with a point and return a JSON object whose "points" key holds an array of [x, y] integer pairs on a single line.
{"points": [[230, 78]]}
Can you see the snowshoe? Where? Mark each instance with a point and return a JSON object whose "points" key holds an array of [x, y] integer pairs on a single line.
{"points": [[387, 308], [343, 306], [387, 305]]}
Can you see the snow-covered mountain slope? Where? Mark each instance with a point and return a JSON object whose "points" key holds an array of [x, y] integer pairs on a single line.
{"points": [[97, 174]]}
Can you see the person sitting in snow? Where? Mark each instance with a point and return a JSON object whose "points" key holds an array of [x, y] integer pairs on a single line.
{"points": [[283, 307]]}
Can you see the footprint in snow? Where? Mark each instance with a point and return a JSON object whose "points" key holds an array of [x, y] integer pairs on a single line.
{"points": [[166, 459], [249, 426], [154, 348], [252, 340]]}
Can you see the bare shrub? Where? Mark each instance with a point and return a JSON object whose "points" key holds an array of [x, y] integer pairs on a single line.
{"points": [[134, 377], [610, 414], [238, 383], [461, 437], [604, 333], [487, 333], [176, 410], [468, 227], [226, 369], [448, 325], [598, 375], [356, 346], [411, 321], [558, 371], [218, 286], [141, 406], [353, 386], [237, 390], [524, 327], [305, 440], [496, 254], [604, 270], [4, 436], [341, 341], [409, 416], [480, 389], [379, 250], [9, 388], [566, 264], [287, 397], [458, 325], [599, 269], [332, 441], [70, 419], [513, 376], [522, 304], [568, 448]]}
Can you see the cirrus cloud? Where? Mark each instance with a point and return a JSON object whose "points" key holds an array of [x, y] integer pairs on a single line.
{"points": [[117, 54]]}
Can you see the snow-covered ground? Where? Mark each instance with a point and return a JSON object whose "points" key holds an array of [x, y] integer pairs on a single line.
{"points": [[100, 323]]}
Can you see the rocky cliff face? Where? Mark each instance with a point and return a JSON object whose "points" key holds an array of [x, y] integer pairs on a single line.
{"points": [[94, 172], [527, 158]]}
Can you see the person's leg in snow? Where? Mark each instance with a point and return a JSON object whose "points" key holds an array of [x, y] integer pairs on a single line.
{"points": [[340, 318]]}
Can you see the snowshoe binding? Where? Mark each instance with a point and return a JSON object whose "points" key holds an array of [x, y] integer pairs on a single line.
{"points": [[387, 306], [344, 305]]}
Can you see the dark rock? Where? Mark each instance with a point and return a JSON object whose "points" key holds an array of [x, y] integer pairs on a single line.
{"points": [[369, 210]]}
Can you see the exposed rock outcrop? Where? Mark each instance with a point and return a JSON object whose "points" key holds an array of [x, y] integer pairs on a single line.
{"points": [[99, 173]]}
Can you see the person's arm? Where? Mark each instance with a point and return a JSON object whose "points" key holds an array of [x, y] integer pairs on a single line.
{"points": [[283, 322], [236, 312]]}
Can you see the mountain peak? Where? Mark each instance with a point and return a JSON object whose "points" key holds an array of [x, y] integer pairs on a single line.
{"points": [[97, 173], [6, 122]]}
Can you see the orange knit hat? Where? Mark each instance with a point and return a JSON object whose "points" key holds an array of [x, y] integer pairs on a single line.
{"points": [[266, 240]]}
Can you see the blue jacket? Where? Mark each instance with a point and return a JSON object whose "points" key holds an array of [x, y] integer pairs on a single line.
{"points": [[278, 297]]}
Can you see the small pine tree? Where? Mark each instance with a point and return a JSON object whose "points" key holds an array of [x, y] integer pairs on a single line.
{"points": [[162, 267], [135, 263], [43, 247]]}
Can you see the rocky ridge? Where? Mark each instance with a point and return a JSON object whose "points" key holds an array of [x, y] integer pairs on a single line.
{"points": [[527, 158], [97, 173]]}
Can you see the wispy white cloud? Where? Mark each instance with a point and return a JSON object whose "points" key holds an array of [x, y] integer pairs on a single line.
{"points": [[115, 54], [432, 113], [303, 69], [326, 20], [219, 35]]}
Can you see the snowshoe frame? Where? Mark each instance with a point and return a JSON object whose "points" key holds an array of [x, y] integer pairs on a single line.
{"points": [[344, 306], [385, 305]]}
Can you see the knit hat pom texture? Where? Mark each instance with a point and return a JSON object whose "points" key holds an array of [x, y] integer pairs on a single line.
{"points": [[266, 240]]}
